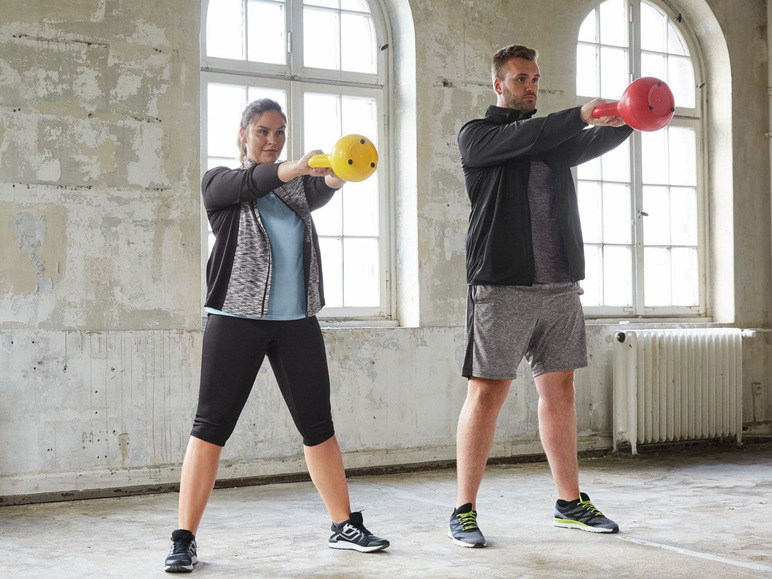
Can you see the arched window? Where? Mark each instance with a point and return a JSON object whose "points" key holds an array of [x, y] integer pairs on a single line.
{"points": [[322, 61], [643, 204]]}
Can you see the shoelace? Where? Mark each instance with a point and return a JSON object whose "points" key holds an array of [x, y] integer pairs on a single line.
{"points": [[590, 507], [180, 546], [361, 528], [468, 520]]}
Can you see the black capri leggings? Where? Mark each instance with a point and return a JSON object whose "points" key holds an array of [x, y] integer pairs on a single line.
{"points": [[234, 349]]}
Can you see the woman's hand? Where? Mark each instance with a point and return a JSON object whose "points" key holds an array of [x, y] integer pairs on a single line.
{"points": [[333, 181], [291, 169]]}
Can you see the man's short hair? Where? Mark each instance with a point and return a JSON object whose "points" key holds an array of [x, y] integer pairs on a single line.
{"points": [[507, 53]]}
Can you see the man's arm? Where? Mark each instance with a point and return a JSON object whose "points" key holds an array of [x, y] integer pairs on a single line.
{"points": [[593, 143], [483, 143]]}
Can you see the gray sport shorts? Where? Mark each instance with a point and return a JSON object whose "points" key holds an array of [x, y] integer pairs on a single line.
{"points": [[543, 322]]}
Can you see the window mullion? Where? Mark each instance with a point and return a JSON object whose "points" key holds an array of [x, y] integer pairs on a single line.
{"points": [[637, 218], [295, 31], [634, 42]]}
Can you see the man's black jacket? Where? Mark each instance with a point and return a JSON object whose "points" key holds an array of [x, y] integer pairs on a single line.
{"points": [[496, 154]]}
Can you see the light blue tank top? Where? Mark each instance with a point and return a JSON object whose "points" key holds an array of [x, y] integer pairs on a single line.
{"points": [[285, 231]]}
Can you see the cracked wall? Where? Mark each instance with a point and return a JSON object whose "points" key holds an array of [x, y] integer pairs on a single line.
{"points": [[100, 277]]}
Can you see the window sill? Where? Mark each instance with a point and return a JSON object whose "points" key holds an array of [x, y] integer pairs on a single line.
{"points": [[335, 324]]}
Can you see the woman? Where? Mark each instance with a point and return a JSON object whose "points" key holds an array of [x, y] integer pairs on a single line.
{"points": [[264, 288]]}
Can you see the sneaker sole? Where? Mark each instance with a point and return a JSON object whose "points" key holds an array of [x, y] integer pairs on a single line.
{"points": [[467, 545], [568, 524], [179, 569], [353, 547]]}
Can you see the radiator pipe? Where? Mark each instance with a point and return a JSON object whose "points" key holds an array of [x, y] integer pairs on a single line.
{"points": [[621, 337]]}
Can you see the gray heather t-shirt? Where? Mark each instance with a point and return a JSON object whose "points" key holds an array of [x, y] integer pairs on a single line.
{"points": [[549, 253]]}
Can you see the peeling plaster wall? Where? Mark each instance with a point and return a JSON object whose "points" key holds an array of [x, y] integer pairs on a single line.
{"points": [[99, 165], [100, 232]]}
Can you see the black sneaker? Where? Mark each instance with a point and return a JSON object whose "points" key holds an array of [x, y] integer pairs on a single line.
{"points": [[182, 555], [463, 528], [582, 514], [352, 534]]}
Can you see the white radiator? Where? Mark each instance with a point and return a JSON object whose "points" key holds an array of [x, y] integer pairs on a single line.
{"points": [[677, 385]]}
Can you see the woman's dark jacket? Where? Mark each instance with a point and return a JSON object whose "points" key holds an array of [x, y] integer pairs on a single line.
{"points": [[238, 273]]}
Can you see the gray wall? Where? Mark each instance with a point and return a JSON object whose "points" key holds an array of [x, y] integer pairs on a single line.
{"points": [[100, 324]]}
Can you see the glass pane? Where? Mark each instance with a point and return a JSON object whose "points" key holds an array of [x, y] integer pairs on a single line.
{"points": [[683, 155], [654, 65], [680, 79], [225, 104], [361, 281], [586, 70], [588, 30], [656, 277], [320, 39], [617, 290], [590, 211], [355, 5], [332, 270], [593, 280], [329, 219], [360, 208], [225, 30], [675, 45], [359, 116], [654, 157], [589, 170], [322, 121], [210, 239], [613, 23], [212, 162], [616, 163], [324, 3], [616, 213], [614, 74], [358, 50], [685, 284], [683, 204], [259, 92], [653, 28], [265, 32], [656, 226]]}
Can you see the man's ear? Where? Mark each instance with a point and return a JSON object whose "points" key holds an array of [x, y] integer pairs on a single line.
{"points": [[497, 85]]}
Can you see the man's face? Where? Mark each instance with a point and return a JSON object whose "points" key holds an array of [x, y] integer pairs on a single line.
{"points": [[519, 86]]}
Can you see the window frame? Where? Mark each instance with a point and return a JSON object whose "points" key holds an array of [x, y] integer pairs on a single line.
{"points": [[296, 79], [692, 117]]}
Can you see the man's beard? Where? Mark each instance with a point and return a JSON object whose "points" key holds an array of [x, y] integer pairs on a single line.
{"points": [[518, 104]]}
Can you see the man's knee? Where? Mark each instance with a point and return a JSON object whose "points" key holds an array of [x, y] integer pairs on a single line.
{"points": [[556, 388], [488, 393]]}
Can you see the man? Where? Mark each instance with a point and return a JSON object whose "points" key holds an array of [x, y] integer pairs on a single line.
{"points": [[525, 256]]}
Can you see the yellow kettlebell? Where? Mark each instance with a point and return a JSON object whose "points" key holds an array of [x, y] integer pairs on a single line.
{"points": [[353, 158]]}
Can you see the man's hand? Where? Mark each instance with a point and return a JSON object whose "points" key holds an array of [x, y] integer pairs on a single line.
{"points": [[602, 121]]}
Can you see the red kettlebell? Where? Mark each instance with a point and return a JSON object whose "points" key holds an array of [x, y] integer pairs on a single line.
{"points": [[646, 105]]}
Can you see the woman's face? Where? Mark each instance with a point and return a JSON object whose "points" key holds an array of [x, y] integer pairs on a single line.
{"points": [[265, 137]]}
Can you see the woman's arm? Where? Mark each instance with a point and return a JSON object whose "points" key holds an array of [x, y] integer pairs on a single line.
{"points": [[223, 187]]}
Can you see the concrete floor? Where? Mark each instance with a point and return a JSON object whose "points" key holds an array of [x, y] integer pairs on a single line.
{"points": [[696, 513]]}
